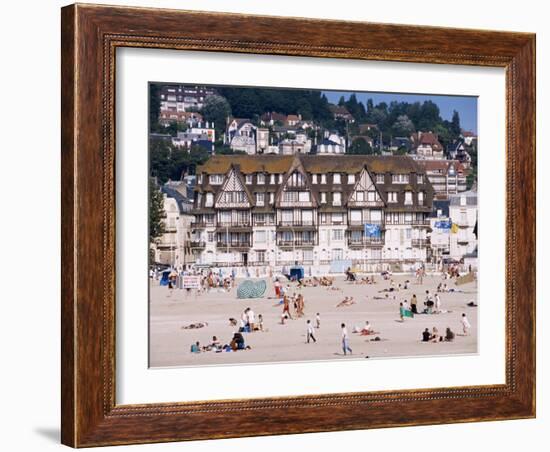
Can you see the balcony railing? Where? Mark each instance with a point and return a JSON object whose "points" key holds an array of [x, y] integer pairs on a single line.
{"points": [[233, 224], [165, 244], [197, 244], [363, 222], [365, 203], [413, 222], [419, 243], [235, 244], [296, 224], [201, 224], [295, 242], [366, 241]]}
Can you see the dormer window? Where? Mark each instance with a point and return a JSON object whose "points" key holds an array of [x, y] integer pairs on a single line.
{"points": [[400, 178], [261, 178], [314, 178], [216, 179], [336, 178], [351, 178], [420, 179], [408, 197], [248, 179], [323, 178], [380, 178], [420, 198]]}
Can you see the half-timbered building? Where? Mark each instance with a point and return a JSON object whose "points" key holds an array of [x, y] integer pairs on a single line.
{"points": [[267, 212]]}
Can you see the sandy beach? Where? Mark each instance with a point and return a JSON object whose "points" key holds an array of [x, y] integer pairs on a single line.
{"points": [[170, 343]]}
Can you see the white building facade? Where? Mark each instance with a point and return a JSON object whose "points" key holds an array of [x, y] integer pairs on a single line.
{"points": [[266, 213], [463, 214]]}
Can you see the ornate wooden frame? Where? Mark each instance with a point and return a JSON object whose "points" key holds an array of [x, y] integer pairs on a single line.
{"points": [[90, 36]]}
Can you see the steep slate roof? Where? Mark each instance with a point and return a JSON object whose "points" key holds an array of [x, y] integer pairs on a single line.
{"points": [[325, 164]]}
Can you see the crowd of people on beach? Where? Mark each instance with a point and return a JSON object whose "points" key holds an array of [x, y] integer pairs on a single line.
{"points": [[293, 307]]}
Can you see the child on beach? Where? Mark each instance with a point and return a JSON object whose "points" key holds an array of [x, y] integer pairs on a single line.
{"points": [[196, 347], [260, 322]]}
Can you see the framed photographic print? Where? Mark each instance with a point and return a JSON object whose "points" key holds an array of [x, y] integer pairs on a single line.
{"points": [[328, 227]]}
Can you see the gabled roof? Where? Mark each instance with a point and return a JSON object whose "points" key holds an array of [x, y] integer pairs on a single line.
{"points": [[442, 166], [426, 139]]}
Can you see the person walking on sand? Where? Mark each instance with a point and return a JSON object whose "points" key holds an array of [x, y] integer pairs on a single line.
{"points": [[286, 307], [465, 325], [277, 286], [310, 331], [318, 321], [345, 340]]}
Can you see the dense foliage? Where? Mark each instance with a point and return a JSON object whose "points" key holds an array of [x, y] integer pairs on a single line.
{"points": [[167, 162], [156, 212], [253, 102]]}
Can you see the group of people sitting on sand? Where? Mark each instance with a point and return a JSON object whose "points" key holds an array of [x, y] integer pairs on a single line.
{"points": [[394, 288], [366, 280], [434, 335], [442, 287], [236, 343]]}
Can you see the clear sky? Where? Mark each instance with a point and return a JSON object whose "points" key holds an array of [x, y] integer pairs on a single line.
{"points": [[465, 105]]}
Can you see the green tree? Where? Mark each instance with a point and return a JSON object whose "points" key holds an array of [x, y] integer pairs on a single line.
{"points": [[154, 107], [360, 146], [216, 108], [455, 128], [403, 126], [156, 212]]}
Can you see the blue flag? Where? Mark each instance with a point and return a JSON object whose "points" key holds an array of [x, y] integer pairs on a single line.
{"points": [[372, 230], [443, 224]]}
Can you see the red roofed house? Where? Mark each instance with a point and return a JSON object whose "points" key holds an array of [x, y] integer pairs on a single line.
{"points": [[292, 120], [341, 112], [469, 137], [426, 145]]}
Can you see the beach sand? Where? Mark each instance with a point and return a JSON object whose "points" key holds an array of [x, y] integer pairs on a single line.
{"points": [[170, 344]]}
